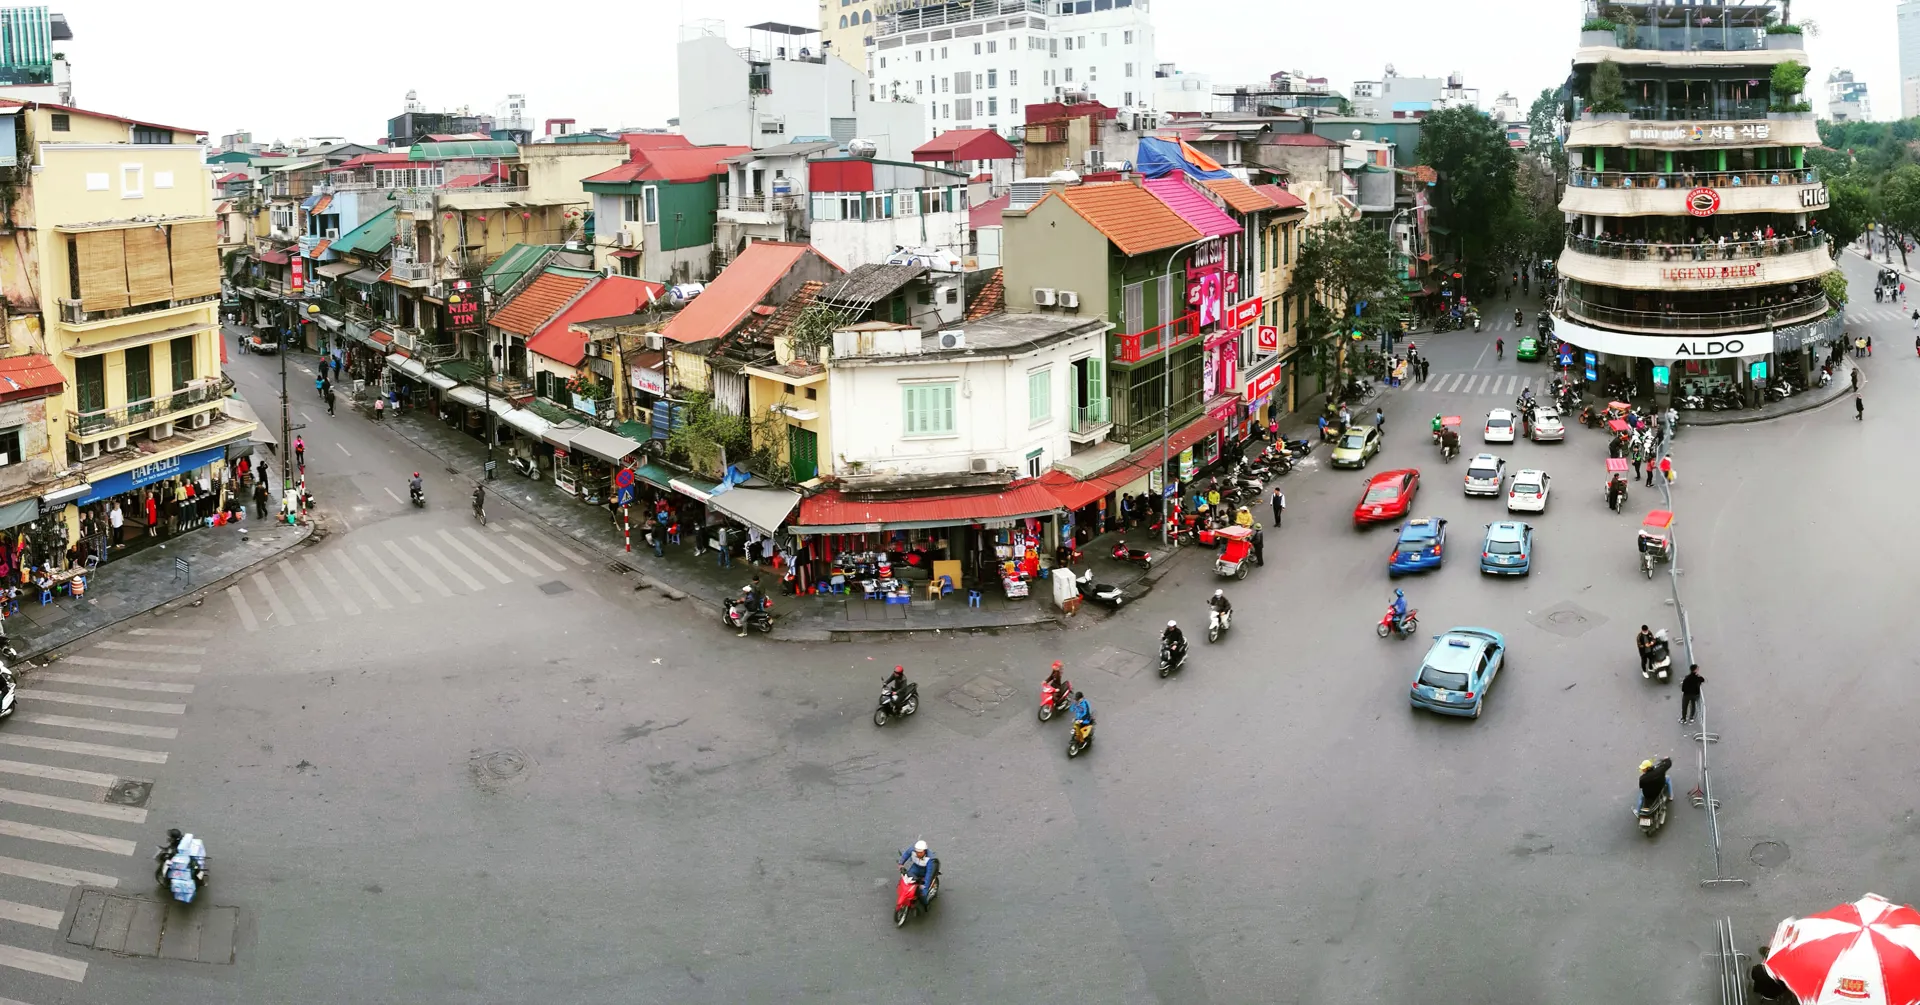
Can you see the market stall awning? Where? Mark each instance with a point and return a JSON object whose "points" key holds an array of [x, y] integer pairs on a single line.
{"points": [[1074, 493], [654, 475], [411, 367], [527, 422], [698, 489], [468, 396], [366, 277], [832, 512], [763, 509], [334, 270], [607, 446], [440, 380]]}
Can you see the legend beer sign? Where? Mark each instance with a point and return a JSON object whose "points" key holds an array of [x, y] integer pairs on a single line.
{"points": [[1710, 273]]}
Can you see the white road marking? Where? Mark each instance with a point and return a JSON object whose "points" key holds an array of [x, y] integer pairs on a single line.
{"points": [[89, 749], [280, 610], [175, 633], [447, 563], [360, 578], [481, 540], [473, 556], [113, 682], [153, 647], [100, 726], [27, 914], [77, 807], [332, 584], [107, 664], [43, 963], [388, 574], [543, 539], [72, 839], [58, 875], [98, 779], [96, 701], [342, 449], [391, 493], [299, 585], [535, 552], [247, 620], [413, 565]]}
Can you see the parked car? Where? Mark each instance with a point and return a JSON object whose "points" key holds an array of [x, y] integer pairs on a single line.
{"points": [[1508, 550], [1528, 492], [1387, 497], [1458, 669], [1485, 474], [1547, 426], [1422, 546]]}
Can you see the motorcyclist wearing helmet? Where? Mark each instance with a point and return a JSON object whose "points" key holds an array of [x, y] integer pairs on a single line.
{"points": [[1437, 427], [918, 862], [895, 683], [1175, 641], [1054, 679], [1653, 780], [413, 487], [1399, 608], [1220, 603]]}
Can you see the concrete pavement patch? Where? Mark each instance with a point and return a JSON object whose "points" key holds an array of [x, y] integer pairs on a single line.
{"points": [[1567, 620]]}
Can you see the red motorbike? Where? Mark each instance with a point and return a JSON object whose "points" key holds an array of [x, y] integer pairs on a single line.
{"points": [[1140, 557], [1054, 699], [905, 899], [1407, 626]]}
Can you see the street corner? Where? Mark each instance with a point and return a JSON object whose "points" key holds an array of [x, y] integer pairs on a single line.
{"points": [[130, 925]]}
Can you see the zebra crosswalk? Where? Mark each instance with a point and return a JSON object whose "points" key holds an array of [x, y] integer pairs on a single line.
{"points": [[76, 761], [1506, 385], [1882, 313], [388, 574]]}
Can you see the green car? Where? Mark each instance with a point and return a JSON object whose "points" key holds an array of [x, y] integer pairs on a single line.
{"points": [[1527, 349], [1356, 447]]}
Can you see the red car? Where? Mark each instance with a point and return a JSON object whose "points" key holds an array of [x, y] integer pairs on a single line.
{"points": [[1388, 495]]}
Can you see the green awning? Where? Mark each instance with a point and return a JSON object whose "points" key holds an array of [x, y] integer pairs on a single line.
{"points": [[464, 371], [514, 263], [655, 475], [635, 429], [463, 150], [370, 238], [549, 411], [1436, 228]]}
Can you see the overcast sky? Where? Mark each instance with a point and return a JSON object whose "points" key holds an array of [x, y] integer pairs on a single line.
{"points": [[287, 70]]}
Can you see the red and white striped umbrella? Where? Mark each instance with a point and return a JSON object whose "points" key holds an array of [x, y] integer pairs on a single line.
{"points": [[1863, 953]]}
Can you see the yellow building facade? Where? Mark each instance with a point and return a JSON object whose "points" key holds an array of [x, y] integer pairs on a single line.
{"points": [[794, 388]]}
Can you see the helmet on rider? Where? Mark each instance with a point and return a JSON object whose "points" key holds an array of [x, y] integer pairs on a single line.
{"points": [[1056, 664], [174, 835], [1217, 593], [1078, 695], [919, 847], [1397, 593], [1173, 624], [1646, 765]]}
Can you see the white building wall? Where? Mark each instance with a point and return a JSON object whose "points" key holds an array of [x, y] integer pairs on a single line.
{"points": [[803, 100], [1112, 56], [990, 413], [713, 92], [852, 243]]}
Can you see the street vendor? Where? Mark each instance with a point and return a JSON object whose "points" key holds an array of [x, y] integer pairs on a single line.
{"points": [[1243, 518]]}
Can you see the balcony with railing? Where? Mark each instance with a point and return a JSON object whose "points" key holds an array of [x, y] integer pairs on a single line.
{"points": [[1093, 417], [937, 16], [146, 412], [1686, 180], [1698, 251], [1681, 34], [1744, 318], [1144, 345]]}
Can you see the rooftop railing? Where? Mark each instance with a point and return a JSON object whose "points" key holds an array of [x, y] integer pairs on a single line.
{"points": [[1694, 251], [1586, 178], [1740, 319]]}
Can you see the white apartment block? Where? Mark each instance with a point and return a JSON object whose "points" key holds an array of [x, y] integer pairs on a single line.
{"points": [[978, 65]]}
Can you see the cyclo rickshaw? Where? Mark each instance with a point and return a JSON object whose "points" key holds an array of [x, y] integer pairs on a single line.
{"points": [[1655, 540], [1236, 552]]}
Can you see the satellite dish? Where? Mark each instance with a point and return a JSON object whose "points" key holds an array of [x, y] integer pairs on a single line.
{"points": [[1356, 134]]}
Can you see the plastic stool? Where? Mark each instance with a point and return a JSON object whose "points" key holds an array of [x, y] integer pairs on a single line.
{"points": [[973, 598], [46, 597]]}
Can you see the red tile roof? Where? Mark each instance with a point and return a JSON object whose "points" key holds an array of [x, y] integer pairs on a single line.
{"points": [[832, 509], [608, 297], [370, 160], [535, 305], [735, 292], [30, 376], [276, 256], [1282, 198], [472, 180], [1129, 215], [965, 145], [992, 296], [987, 214], [1239, 195], [319, 249], [10, 103], [225, 178], [670, 164], [655, 141], [1298, 140], [1199, 211]]}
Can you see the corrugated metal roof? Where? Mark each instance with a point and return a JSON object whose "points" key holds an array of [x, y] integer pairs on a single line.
{"points": [[512, 264], [1282, 198], [1244, 198], [463, 150], [1196, 209], [1129, 215], [535, 305], [965, 145], [369, 238], [733, 294], [832, 509]]}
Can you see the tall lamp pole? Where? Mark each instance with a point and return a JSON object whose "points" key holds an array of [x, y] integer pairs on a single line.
{"points": [[486, 383], [1166, 396]]}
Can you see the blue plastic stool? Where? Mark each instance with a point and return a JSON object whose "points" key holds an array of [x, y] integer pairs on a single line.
{"points": [[46, 597], [973, 598]]}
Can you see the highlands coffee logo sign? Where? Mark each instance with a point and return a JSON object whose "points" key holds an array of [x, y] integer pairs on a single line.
{"points": [[1703, 202], [1710, 272], [1813, 197], [1731, 347]]}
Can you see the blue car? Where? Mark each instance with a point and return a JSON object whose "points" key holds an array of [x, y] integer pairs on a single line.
{"points": [[1458, 670], [1508, 550], [1422, 546]]}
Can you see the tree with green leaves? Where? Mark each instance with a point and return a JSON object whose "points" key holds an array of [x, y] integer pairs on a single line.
{"points": [[1544, 120], [1789, 79], [1343, 263], [1475, 195], [1850, 207], [1900, 204], [1607, 91]]}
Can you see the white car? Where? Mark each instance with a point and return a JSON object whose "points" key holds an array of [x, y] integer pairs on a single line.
{"points": [[1547, 425], [1528, 492], [1499, 426], [1485, 473]]}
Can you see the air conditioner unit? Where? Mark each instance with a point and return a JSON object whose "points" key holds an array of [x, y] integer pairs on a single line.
{"points": [[114, 444], [333, 233], [161, 431], [623, 239], [953, 339], [89, 451], [202, 420], [1069, 299], [980, 465], [610, 270], [71, 313], [655, 341], [1043, 296]]}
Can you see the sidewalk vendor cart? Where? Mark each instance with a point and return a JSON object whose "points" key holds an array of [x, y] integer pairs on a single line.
{"points": [[1655, 540]]}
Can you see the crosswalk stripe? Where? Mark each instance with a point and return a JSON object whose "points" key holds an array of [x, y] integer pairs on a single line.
{"points": [[300, 587], [360, 579], [43, 963], [447, 563], [90, 749], [153, 647], [1512, 383], [58, 875], [413, 565], [280, 612], [333, 585], [535, 552], [473, 556], [98, 701], [107, 664], [240, 607], [124, 685], [99, 779], [526, 528], [406, 592], [101, 726], [72, 839], [27, 914], [481, 540], [177, 633], [77, 807]]}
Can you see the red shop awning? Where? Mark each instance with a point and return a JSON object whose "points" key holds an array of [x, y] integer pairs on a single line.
{"points": [[1073, 493], [833, 512]]}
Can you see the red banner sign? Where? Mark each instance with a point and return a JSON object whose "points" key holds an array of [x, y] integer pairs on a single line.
{"points": [[1268, 338], [464, 312], [1243, 313], [299, 283], [1258, 387]]}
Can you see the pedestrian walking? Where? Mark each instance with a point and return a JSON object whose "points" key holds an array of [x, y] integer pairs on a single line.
{"points": [[329, 401], [300, 453], [1650, 471], [1690, 693], [1869, 345], [1916, 318], [260, 499], [1644, 643], [1856, 371], [1859, 408], [721, 549], [379, 407], [1259, 546], [1279, 505], [1666, 469], [1639, 458], [115, 520], [1380, 419]]}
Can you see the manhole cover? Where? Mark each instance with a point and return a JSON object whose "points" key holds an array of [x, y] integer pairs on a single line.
{"points": [[130, 792], [1769, 853], [1567, 620], [501, 767], [555, 588]]}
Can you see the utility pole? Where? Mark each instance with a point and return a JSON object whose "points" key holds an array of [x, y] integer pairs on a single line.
{"points": [[486, 384]]}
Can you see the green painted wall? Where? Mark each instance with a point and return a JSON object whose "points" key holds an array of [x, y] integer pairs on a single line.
{"points": [[698, 204]]}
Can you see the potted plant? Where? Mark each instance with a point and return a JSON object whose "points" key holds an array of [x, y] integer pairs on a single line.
{"points": [[1788, 80], [1606, 93], [1598, 31]]}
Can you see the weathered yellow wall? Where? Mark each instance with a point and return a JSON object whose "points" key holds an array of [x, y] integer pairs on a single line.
{"points": [[554, 170]]}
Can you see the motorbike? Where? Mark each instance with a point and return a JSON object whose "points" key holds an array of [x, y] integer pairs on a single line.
{"points": [[480, 508], [1652, 818], [1139, 556], [1170, 660], [897, 703], [7, 691], [1606, 492], [1081, 739], [1780, 391], [1218, 622], [1297, 448], [525, 466], [1518, 320], [907, 899], [1407, 626], [1476, 322], [1055, 699], [741, 614], [1662, 658], [182, 871], [1105, 594], [1690, 401], [418, 495]]}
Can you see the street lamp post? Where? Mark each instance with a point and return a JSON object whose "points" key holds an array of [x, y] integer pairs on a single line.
{"points": [[1166, 399], [486, 384]]}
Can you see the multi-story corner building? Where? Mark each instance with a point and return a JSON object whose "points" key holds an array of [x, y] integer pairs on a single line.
{"points": [[113, 389], [1693, 255], [1847, 98], [977, 64], [1907, 22], [30, 68]]}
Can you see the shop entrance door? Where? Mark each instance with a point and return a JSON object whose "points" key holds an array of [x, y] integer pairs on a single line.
{"points": [[803, 453]]}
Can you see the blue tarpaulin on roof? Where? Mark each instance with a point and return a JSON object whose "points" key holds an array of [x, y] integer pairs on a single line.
{"points": [[310, 200], [1158, 158]]}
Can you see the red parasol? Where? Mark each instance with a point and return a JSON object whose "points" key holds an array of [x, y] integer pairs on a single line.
{"points": [[1617, 425], [1451, 420], [1616, 464], [1866, 952], [1618, 405]]}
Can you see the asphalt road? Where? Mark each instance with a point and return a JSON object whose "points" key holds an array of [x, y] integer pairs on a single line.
{"points": [[532, 783]]}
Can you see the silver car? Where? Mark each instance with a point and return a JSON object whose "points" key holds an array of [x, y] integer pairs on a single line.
{"points": [[1547, 425], [1485, 474]]}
